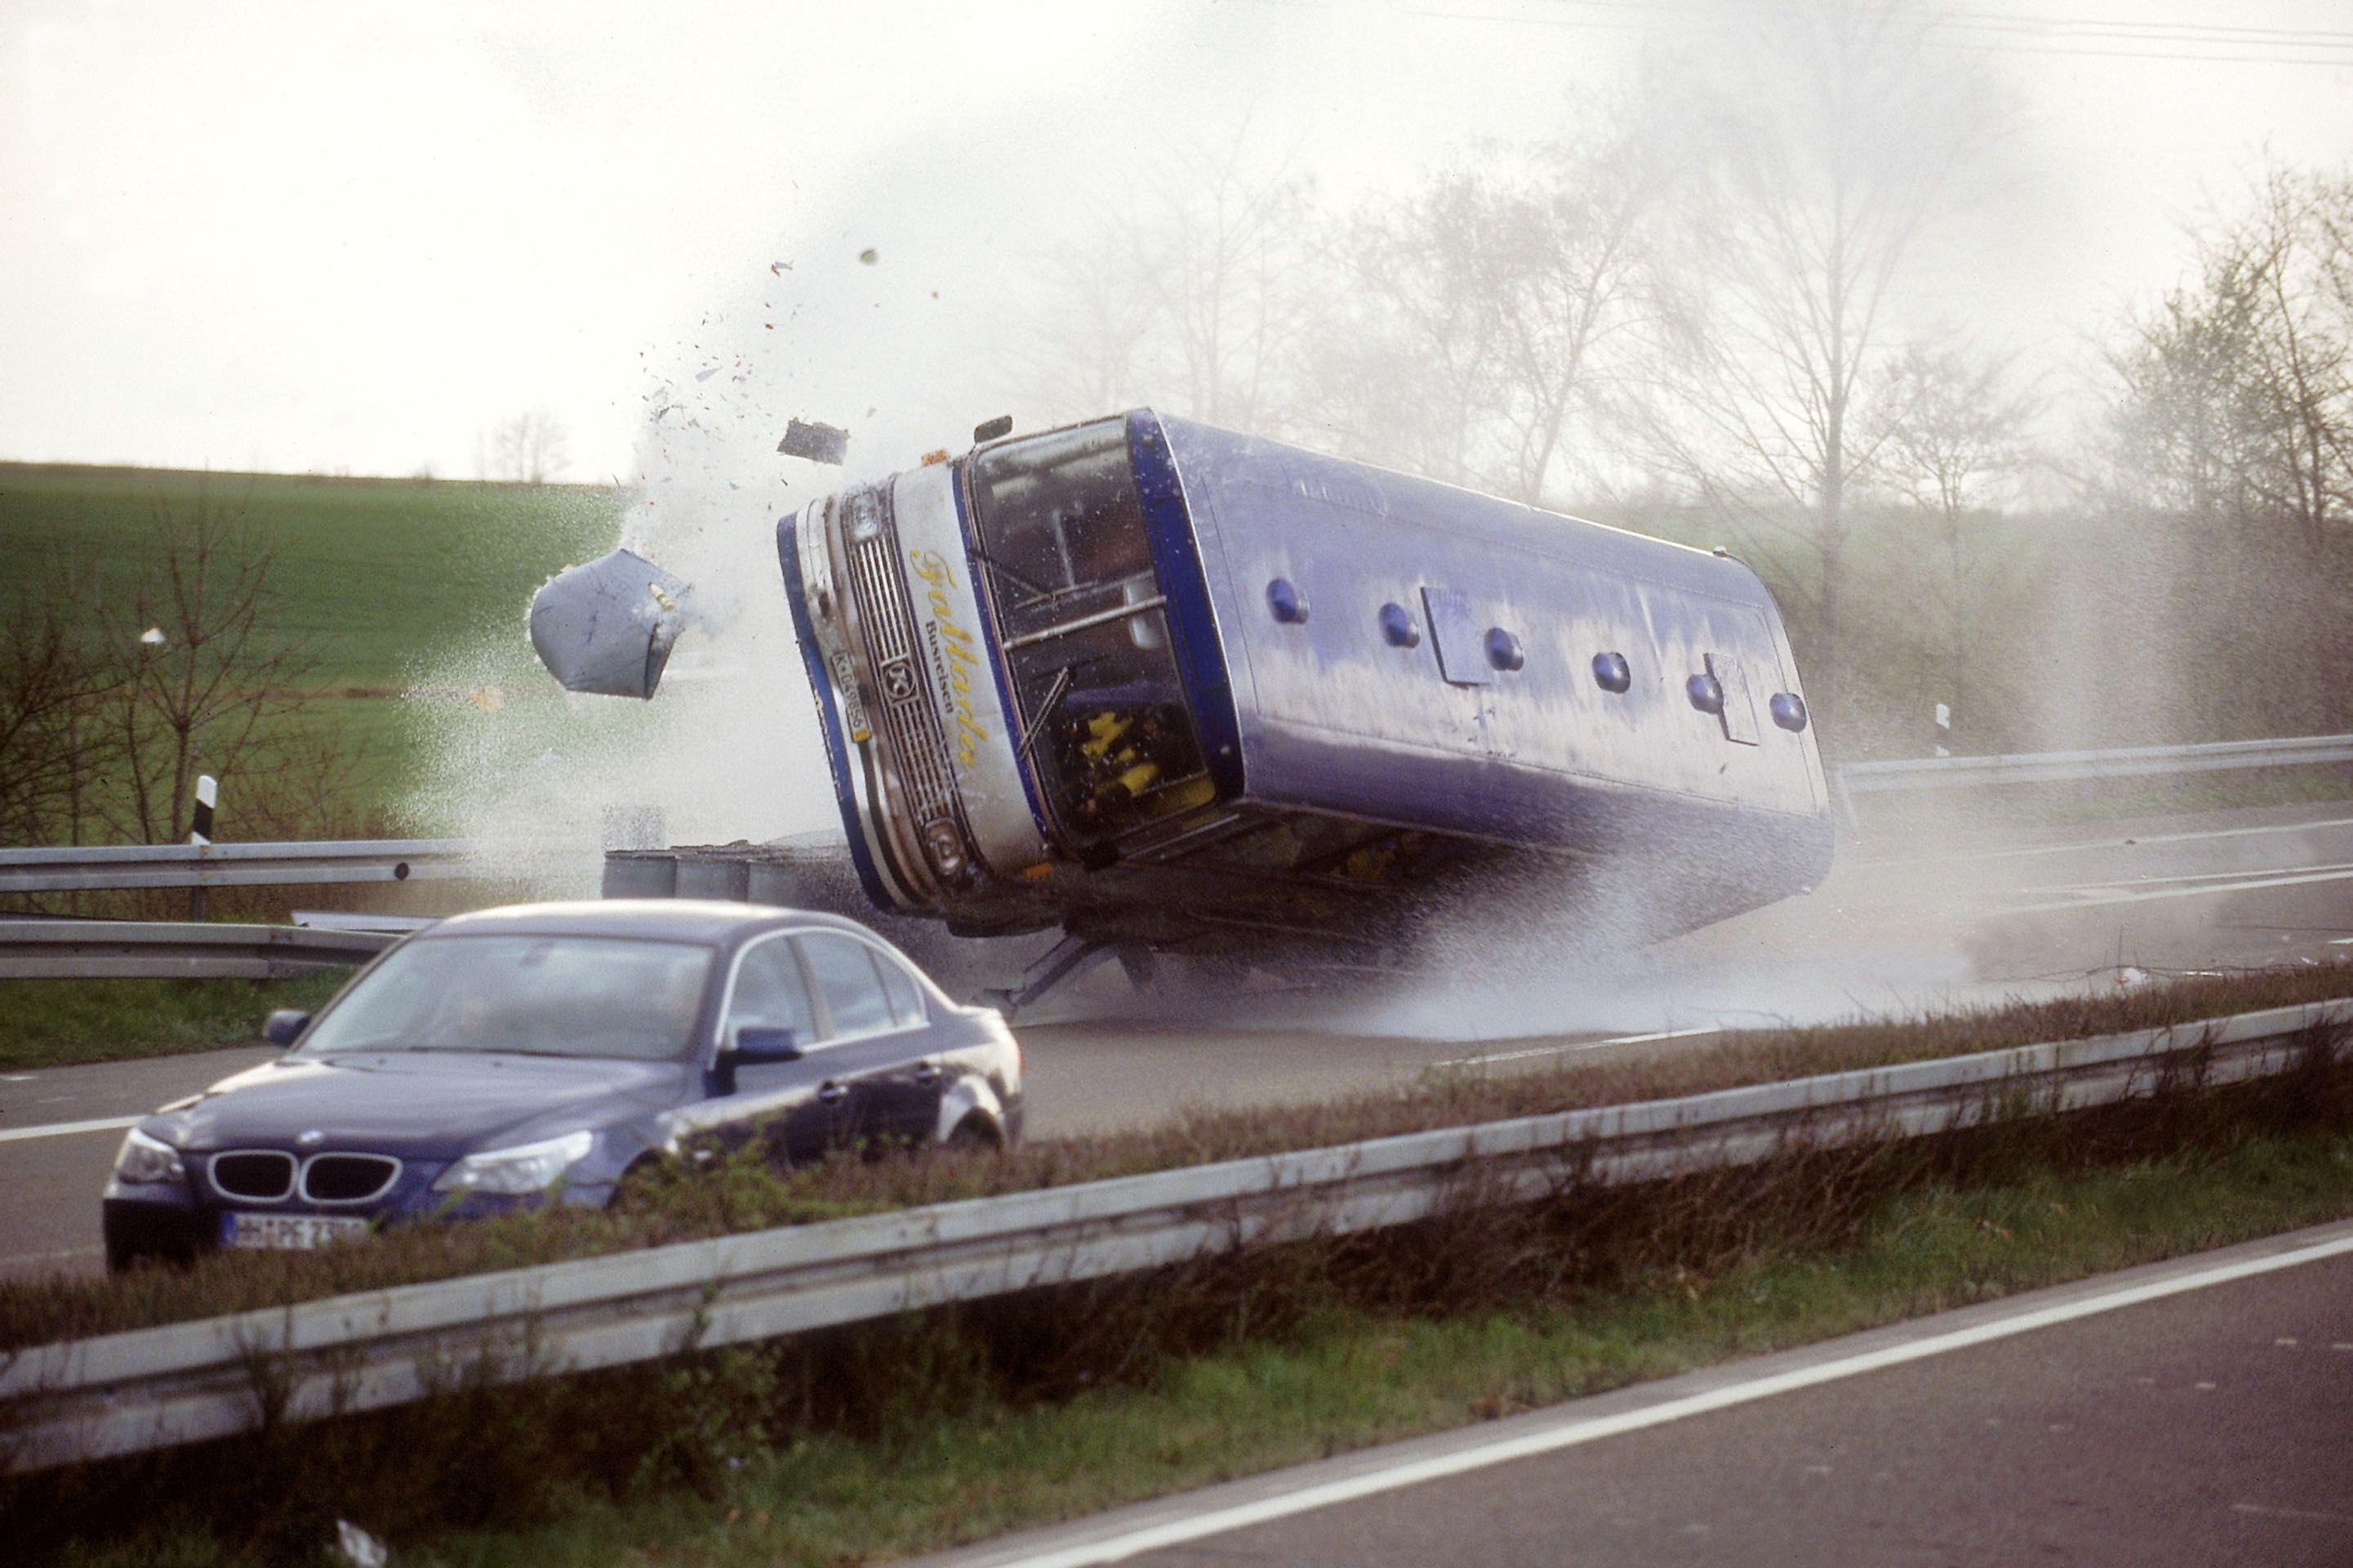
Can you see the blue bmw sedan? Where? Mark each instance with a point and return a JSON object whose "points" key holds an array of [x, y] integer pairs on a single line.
{"points": [[542, 1053]]}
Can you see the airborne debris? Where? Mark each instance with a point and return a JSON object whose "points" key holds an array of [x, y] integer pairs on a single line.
{"points": [[706, 374], [870, 255], [608, 626], [357, 1547], [780, 267], [817, 443]]}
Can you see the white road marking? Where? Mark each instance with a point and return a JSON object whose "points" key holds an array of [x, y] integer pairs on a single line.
{"points": [[62, 1252], [2136, 842], [1575, 1046], [2247, 882], [2313, 1515], [1574, 1431], [67, 1128]]}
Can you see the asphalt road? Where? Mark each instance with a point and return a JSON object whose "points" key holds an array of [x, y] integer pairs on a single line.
{"points": [[1996, 913], [2211, 1424]]}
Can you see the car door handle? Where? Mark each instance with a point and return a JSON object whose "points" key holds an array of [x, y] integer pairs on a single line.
{"points": [[929, 1073], [831, 1093]]}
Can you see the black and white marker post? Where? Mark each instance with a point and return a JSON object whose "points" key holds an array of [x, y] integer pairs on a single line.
{"points": [[200, 834]]}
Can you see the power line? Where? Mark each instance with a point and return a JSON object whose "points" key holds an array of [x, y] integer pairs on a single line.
{"points": [[2202, 31], [2198, 41]]}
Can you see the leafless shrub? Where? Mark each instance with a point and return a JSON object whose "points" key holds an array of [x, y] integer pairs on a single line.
{"points": [[2233, 395], [116, 693], [531, 448], [53, 683]]}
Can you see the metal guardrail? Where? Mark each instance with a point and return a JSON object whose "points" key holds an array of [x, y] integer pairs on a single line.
{"points": [[2066, 767], [115, 949], [89, 868], [152, 1388]]}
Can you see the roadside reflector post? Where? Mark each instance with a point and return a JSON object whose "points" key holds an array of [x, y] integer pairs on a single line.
{"points": [[200, 834]]}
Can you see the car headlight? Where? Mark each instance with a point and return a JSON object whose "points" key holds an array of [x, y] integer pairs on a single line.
{"points": [[146, 1160], [526, 1168]]}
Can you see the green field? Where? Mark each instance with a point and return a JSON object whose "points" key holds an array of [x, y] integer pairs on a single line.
{"points": [[374, 574], [376, 578]]}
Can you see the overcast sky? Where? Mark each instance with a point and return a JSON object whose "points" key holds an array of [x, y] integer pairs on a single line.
{"points": [[303, 236]]}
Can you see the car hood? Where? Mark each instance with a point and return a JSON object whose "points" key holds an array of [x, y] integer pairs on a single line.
{"points": [[417, 1102]]}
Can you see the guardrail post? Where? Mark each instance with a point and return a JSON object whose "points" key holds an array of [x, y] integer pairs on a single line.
{"points": [[200, 835]]}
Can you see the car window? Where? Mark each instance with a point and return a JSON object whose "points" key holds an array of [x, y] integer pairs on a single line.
{"points": [[844, 969], [906, 997], [769, 993], [509, 993]]}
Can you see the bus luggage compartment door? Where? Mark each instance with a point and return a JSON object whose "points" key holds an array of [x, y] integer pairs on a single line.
{"points": [[1460, 637]]}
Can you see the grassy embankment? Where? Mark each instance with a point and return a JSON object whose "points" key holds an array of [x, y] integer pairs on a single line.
{"points": [[59, 1023], [899, 1437]]}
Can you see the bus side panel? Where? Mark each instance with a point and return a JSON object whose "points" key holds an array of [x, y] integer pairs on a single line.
{"points": [[1338, 714]]}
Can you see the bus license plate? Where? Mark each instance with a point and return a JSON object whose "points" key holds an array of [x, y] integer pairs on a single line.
{"points": [[289, 1230]]}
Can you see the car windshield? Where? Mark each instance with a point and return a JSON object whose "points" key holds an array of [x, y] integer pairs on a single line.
{"points": [[531, 995]]}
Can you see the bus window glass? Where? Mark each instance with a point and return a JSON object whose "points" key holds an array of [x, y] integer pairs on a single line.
{"points": [[1068, 566]]}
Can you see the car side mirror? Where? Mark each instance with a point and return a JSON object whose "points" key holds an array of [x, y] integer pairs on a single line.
{"points": [[760, 1045], [284, 1025]]}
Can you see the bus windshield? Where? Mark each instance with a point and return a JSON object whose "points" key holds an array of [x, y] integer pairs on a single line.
{"points": [[1085, 631]]}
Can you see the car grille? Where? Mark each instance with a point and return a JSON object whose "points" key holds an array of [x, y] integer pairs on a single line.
{"points": [[348, 1178], [912, 722], [263, 1175]]}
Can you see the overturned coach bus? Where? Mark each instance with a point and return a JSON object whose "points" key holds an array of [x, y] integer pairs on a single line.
{"points": [[1170, 688]]}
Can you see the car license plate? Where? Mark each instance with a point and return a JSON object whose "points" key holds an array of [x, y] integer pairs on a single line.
{"points": [[289, 1230]]}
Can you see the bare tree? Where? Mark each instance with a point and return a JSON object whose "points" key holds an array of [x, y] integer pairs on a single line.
{"points": [[1838, 133], [2184, 409], [51, 680], [1087, 357], [1195, 296], [197, 682], [1408, 366], [2236, 392], [1471, 321], [530, 448], [1951, 427]]}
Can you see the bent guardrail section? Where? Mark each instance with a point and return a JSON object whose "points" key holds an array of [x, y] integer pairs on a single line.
{"points": [[177, 950], [152, 1388]]}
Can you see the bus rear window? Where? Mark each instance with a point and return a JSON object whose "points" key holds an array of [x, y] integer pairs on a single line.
{"points": [[1068, 568]]}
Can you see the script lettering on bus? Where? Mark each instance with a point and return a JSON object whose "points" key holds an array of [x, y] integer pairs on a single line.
{"points": [[955, 654]]}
